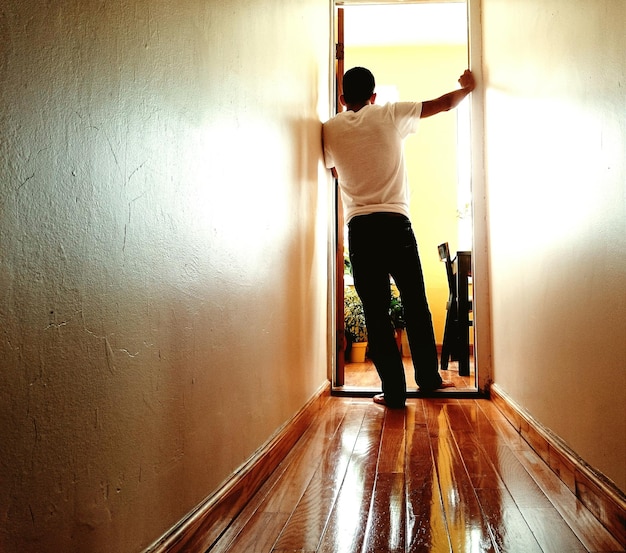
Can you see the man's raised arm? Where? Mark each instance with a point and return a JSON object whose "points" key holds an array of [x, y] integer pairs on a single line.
{"points": [[451, 99]]}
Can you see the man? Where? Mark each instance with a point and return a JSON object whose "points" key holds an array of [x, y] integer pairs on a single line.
{"points": [[364, 148]]}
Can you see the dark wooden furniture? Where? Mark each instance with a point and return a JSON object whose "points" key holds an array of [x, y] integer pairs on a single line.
{"points": [[456, 343], [463, 271]]}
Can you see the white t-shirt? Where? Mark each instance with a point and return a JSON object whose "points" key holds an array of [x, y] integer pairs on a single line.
{"points": [[367, 149]]}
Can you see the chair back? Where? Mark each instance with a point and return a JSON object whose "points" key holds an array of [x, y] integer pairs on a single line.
{"points": [[444, 255]]}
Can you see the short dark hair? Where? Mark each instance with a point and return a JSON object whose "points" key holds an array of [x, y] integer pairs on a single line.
{"points": [[358, 85]]}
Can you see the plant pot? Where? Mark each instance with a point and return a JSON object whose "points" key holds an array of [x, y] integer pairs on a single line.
{"points": [[357, 353]]}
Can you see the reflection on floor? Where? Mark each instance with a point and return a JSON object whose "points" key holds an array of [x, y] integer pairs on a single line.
{"points": [[364, 375]]}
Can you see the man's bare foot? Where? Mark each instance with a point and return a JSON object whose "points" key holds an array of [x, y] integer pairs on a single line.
{"points": [[444, 384], [379, 399]]}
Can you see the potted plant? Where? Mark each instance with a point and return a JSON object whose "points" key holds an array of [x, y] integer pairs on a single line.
{"points": [[356, 331], [396, 310]]}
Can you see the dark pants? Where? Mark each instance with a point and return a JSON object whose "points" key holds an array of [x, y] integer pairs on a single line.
{"points": [[383, 244]]}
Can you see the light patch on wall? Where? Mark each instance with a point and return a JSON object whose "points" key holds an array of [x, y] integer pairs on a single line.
{"points": [[554, 180], [240, 203]]}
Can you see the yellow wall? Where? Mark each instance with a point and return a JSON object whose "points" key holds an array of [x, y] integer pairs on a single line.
{"points": [[422, 73], [163, 276]]}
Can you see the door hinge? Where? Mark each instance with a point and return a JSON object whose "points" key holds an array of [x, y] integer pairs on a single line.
{"points": [[339, 50]]}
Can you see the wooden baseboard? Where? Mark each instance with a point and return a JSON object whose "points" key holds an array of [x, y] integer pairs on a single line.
{"points": [[198, 531], [605, 501]]}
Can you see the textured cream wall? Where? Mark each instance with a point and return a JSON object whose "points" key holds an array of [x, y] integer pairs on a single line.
{"points": [[555, 78], [163, 279]]}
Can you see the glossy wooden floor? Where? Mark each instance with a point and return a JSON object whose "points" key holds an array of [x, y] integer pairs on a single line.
{"points": [[442, 475]]}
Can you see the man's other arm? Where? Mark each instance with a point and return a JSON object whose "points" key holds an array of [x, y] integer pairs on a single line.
{"points": [[451, 99]]}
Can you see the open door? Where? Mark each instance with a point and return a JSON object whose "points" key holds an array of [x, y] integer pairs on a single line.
{"points": [[340, 341], [342, 367]]}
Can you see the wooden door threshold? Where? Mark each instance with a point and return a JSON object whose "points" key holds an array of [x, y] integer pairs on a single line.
{"points": [[454, 393]]}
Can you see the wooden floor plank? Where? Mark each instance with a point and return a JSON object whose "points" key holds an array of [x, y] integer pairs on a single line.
{"points": [[586, 527], [456, 417], [480, 424], [306, 525], [552, 532], [345, 530], [508, 527], [467, 528], [479, 466], [261, 533], [287, 483], [508, 434], [490, 410], [392, 448], [386, 525], [435, 416], [520, 484], [289, 490], [426, 525]]}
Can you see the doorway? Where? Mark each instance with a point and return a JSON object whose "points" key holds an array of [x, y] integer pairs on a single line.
{"points": [[416, 51]]}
